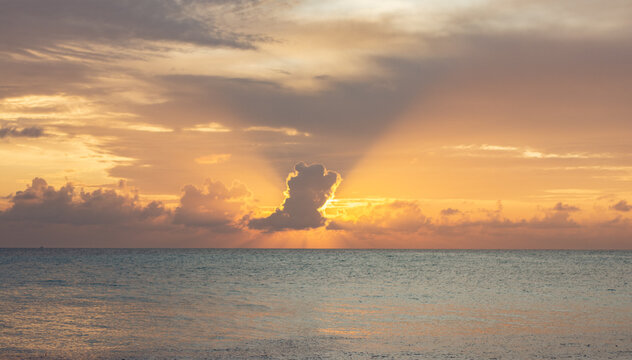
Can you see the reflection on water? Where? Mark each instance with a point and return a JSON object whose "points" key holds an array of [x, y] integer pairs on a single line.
{"points": [[315, 303]]}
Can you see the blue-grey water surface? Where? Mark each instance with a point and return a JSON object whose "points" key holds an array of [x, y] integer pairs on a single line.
{"points": [[329, 304]]}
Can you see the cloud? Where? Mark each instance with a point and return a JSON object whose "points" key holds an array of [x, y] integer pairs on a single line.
{"points": [[450, 212], [210, 127], [284, 130], [44, 24], [212, 159], [521, 152], [402, 224], [113, 216], [308, 189], [212, 205], [30, 132], [468, 92], [621, 206], [391, 217], [42, 203], [216, 215], [565, 207]]}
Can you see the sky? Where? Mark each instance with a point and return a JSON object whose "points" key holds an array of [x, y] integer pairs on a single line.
{"points": [[479, 124]]}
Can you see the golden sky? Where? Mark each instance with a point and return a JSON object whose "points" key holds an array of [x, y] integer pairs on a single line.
{"points": [[355, 124]]}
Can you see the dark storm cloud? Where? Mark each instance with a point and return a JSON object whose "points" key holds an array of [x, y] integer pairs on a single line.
{"points": [[308, 188], [622, 206], [42, 203], [42, 24], [30, 132]]}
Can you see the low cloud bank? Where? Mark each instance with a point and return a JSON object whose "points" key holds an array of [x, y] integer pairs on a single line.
{"points": [[216, 215], [207, 216], [42, 203], [402, 224]]}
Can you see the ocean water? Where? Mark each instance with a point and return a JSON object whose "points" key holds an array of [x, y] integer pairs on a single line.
{"points": [[314, 304]]}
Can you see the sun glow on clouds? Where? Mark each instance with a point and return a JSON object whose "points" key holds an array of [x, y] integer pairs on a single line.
{"points": [[210, 127], [58, 159], [310, 47], [142, 127], [62, 109], [524, 152], [46, 107], [450, 120], [212, 159], [284, 130], [309, 188]]}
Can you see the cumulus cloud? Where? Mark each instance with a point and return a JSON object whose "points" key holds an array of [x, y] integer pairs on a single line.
{"points": [[44, 204], [621, 206], [212, 205], [308, 189], [30, 132], [113, 216]]}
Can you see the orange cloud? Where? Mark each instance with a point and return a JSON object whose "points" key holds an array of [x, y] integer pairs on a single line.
{"points": [[212, 159], [213, 205], [217, 215]]}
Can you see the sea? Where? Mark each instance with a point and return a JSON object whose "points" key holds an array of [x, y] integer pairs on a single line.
{"points": [[314, 304]]}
